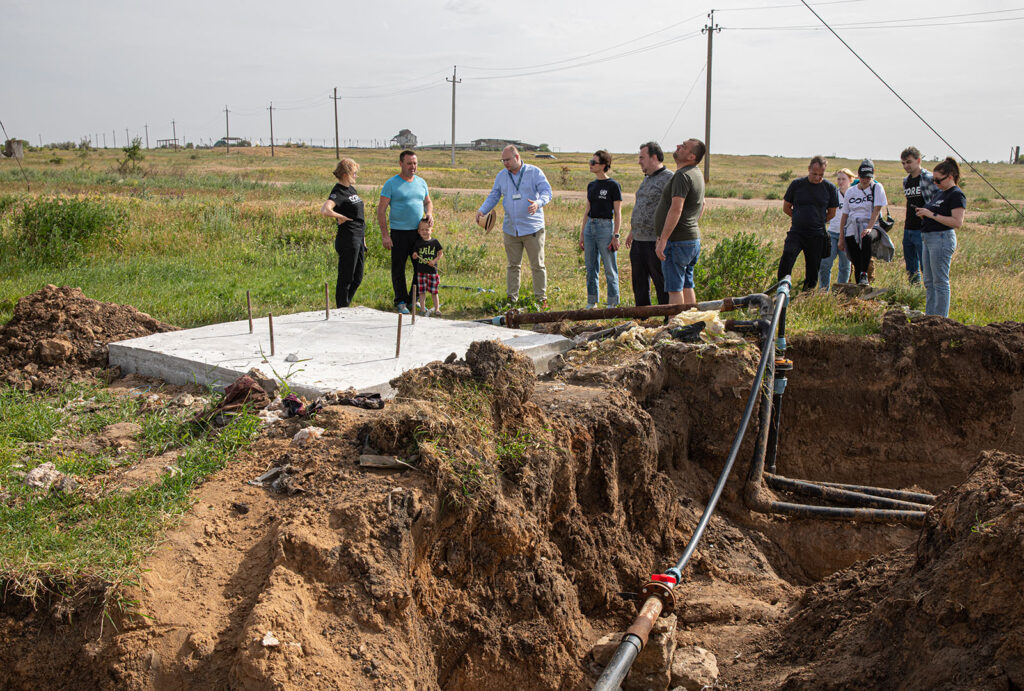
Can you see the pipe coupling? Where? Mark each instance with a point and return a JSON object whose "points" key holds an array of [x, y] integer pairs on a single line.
{"points": [[663, 591]]}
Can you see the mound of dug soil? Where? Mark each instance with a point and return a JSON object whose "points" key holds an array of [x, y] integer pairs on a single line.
{"points": [[949, 616], [58, 334]]}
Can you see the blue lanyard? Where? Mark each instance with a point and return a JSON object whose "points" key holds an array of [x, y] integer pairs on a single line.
{"points": [[522, 171]]}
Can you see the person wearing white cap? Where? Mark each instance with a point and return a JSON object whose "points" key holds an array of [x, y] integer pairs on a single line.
{"points": [[861, 207]]}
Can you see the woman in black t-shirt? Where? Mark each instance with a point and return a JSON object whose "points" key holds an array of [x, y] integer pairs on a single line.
{"points": [[939, 219], [345, 205], [599, 234]]}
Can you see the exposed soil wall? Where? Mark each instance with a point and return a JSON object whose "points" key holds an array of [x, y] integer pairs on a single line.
{"points": [[912, 406], [536, 505], [947, 614]]}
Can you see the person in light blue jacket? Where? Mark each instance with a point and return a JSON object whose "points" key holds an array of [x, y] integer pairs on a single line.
{"points": [[523, 191]]}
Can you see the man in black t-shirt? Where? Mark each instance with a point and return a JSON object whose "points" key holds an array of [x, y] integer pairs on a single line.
{"points": [[811, 202], [919, 188]]}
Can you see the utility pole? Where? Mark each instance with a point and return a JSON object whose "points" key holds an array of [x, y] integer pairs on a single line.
{"points": [[127, 139], [454, 81], [710, 28], [174, 133], [104, 140], [113, 133], [40, 141], [337, 150], [271, 109], [147, 135], [227, 130]]}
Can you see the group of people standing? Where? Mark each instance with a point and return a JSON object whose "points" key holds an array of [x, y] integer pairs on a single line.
{"points": [[406, 220], [664, 239], [830, 221], [664, 236]]}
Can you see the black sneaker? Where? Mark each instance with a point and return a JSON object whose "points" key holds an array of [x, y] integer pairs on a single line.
{"points": [[863, 280]]}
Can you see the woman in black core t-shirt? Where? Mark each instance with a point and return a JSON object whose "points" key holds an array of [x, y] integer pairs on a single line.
{"points": [[345, 205], [599, 234], [940, 218]]}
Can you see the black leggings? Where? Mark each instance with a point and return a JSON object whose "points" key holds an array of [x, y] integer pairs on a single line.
{"points": [[351, 251], [860, 255], [401, 251]]}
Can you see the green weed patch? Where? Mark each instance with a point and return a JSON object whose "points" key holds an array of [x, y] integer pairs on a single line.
{"points": [[62, 542]]}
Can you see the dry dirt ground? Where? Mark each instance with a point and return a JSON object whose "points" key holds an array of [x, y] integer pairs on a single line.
{"points": [[534, 505]]}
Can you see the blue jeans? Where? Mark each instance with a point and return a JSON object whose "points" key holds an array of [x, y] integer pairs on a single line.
{"points": [[680, 258], [825, 272], [912, 249], [597, 235], [936, 257]]}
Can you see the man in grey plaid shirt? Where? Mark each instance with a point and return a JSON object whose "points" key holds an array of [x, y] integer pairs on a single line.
{"points": [[644, 263]]}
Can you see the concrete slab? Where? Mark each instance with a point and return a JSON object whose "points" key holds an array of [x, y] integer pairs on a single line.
{"points": [[354, 348]]}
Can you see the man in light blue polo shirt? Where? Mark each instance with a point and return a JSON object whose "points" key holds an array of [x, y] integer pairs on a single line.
{"points": [[407, 196], [524, 191]]}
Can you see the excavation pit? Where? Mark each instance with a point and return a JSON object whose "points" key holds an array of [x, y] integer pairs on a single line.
{"points": [[537, 506]]}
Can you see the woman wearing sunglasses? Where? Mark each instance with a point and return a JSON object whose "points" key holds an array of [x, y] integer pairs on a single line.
{"points": [[939, 219], [599, 234]]}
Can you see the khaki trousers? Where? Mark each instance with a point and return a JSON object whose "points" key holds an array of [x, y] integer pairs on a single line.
{"points": [[534, 246]]}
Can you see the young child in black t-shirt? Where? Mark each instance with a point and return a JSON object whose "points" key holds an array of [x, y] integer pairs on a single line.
{"points": [[426, 253]]}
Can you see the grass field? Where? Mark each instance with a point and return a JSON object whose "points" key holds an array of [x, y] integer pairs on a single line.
{"points": [[186, 235], [189, 232]]}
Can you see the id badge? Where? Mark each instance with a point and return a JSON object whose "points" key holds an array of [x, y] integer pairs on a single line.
{"points": [[516, 197]]}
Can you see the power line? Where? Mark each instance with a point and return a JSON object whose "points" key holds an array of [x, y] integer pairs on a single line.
{"points": [[609, 58], [685, 99], [893, 23], [587, 55], [852, 27], [775, 7], [911, 108], [411, 90]]}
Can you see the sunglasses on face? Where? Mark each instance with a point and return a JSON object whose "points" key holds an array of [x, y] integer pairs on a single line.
{"points": [[595, 162], [938, 179]]}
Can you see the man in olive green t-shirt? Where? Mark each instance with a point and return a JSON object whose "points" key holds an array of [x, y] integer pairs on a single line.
{"points": [[682, 203]]}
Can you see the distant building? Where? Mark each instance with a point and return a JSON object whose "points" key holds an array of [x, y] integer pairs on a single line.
{"points": [[499, 144], [404, 140], [14, 148], [235, 141]]}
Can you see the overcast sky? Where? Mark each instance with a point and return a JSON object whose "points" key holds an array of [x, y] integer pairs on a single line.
{"points": [[575, 75]]}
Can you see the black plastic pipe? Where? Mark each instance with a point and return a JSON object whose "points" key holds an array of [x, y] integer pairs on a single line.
{"points": [[625, 654], [905, 495], [914, 518], [767, 356], [842, 496]]}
